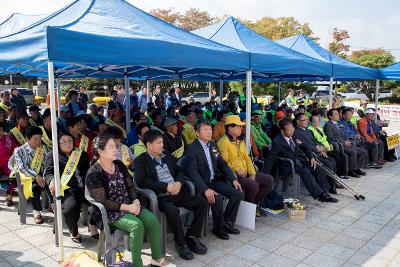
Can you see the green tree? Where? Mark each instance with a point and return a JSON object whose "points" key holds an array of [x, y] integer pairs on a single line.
{"points": [[278, 28], [338, 46], [373, 58]]}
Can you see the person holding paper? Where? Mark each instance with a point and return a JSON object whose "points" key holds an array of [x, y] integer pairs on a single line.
{"points": [[256, 185], [214, 180]]}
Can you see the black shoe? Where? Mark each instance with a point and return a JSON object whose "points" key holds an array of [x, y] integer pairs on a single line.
{"points": [[375, 166], [327, 198], [344, 178], [184, 252], [390, 159], [354, 174], [333, 191], [360, 172], [230, 229], [77, 240], [195, 245], [96, 236], [339, 186], [220, 233]]}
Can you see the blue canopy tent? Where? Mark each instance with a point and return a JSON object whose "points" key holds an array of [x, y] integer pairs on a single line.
{"points": [[391, 73], [340, 69], [97, 38], [17, 22], [268, 61]]}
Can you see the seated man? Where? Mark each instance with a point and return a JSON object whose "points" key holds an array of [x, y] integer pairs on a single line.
{"points": [[81, 141], [260, 137], [256, 185], [372, 143], [302, 133], [173, 143], [29, 163], [312, 176], [320, 136], [188, 132], [213, 180], [357, 156], [18, 132], [160, 173], [140, 148], [350, 132]]}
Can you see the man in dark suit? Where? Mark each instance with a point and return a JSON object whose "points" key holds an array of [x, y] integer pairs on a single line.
{"points": [[302, 133], [312, 176], [213, 179], [160, 173], [358, 156]]}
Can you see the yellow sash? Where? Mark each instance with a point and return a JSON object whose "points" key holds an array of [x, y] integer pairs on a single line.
{"points": [[125, 157], [84, 144], [18, 135], [5, 107], [111, 123], [179, 152], [46, 140], [69, 169], [94, 117], [27, 180], [32, 122]]}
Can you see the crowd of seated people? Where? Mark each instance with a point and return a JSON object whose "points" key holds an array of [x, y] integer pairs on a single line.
{"points": [[165, 148]]}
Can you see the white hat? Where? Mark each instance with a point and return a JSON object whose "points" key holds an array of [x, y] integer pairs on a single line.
{"points": [[369, 111]]}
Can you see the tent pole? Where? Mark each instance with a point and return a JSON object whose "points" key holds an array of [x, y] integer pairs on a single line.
{"points": [[127, 102], [148, 91], [330, 92], [279, 92], [376, 99], [57, 181], [11, 80], [209, 89], [58, 96], [221, 93], [248, 108]]}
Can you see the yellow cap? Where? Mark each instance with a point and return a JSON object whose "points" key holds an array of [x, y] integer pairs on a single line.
{"points": [[234, 119]]}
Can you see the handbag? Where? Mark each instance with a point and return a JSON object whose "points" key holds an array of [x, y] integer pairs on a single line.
{"points": [[121, 262]]}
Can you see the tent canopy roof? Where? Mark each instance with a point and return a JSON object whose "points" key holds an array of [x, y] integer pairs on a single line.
{"points": [[266, 56], [17, 22], [113, 34], [341, 69], [391, 73]]}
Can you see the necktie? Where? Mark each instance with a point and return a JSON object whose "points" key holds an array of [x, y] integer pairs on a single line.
{"points": [[292, 145]]}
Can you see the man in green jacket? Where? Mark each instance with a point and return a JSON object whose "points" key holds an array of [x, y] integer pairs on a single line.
{"points": [[260, 137]]}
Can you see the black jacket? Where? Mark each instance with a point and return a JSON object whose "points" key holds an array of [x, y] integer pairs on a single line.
{"points": [[146, 174], [280, 148], [97, 184], [83, 166], [197, 169], [307, 138], [172, 143]]}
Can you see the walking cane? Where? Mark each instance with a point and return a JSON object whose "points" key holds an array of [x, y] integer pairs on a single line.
{"points": [[332, 174]]}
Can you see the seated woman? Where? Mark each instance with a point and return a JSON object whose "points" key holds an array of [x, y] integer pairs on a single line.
{"points": [[28, 161], [110, 184], [73, 164], [124, 154], [140, 148]]}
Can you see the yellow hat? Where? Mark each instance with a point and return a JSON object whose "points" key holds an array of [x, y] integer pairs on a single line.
{"points": [[234, 119]]}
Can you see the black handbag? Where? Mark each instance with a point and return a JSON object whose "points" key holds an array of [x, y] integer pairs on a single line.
{"points": [[121, 262]]}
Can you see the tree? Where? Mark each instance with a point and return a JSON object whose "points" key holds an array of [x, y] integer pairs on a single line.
{"points": [[169, 15], [338, 46], [195, 19], [191, 20], [373, 58], [278, 28]]}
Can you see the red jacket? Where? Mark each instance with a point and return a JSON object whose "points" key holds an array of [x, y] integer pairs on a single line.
{"points": [[366, 130]]}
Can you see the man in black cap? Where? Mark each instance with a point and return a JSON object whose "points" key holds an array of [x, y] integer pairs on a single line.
{"points": [[173, 143]]}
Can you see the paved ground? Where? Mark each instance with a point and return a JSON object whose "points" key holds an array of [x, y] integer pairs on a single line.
{"points": [[349, 233]]}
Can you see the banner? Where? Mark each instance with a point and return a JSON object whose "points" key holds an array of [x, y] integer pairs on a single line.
{"points": [[393, 141]]}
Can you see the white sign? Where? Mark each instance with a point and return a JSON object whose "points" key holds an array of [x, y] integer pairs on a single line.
{"points": [[246, 216]]}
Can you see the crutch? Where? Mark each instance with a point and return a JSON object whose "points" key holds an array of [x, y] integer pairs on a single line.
{"points": [[330, 173]]}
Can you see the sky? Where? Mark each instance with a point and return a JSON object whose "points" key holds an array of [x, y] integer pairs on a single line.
{"points": [[370, 23]]}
